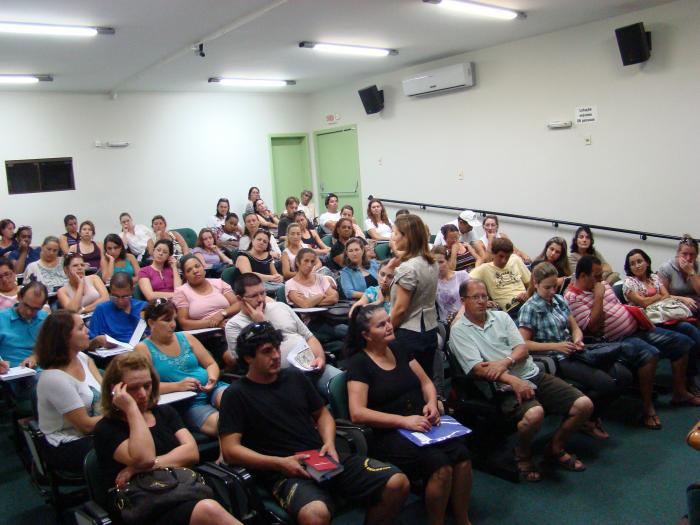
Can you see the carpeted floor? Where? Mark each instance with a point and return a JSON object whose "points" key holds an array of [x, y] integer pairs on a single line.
{"points": [[636, 478]]}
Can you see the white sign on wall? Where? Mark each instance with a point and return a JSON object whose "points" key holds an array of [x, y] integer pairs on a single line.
{"points": [[586, 114]]}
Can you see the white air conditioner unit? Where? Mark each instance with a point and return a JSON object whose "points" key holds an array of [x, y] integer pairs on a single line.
{"points": [[438, 80]]}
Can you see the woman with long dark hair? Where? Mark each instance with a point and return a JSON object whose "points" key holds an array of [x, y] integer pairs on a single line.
{"points": [[413, 294], [582, 244], [377, 224], [68, 391], [389, 390]]}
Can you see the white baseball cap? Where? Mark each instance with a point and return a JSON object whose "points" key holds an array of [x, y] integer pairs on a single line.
{"points": [[469, 217]]}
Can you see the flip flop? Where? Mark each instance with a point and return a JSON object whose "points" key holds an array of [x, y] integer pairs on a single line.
{"points": [[527, 471], [650, 421], [691, 401]]}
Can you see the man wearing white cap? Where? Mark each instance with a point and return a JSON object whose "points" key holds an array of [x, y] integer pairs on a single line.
{"points": [[470, 232]]}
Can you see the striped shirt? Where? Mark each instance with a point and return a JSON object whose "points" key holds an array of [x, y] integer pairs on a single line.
{"points": [[619, 322]]}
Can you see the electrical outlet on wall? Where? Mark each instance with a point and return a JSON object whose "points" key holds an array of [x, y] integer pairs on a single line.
{"points": [[587, 140], [460, 175]]}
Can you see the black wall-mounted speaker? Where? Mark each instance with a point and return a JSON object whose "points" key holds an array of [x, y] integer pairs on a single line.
{"points": [[634, 44], [372, 99]]}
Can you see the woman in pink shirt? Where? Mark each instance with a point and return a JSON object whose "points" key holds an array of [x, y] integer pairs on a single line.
{"points": [[201, 302]]}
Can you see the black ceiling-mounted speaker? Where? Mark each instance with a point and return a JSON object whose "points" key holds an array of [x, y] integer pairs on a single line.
{"points": [[634, 44], [372, 99]]}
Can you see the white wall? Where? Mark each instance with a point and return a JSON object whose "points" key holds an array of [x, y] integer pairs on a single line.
{"points": [[187, 151], [639, 173]]}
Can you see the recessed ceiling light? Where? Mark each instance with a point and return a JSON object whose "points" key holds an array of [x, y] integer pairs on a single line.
{"points": [[24, 79], [23, 28], [342, 49], [474, 8], [251, 82]]}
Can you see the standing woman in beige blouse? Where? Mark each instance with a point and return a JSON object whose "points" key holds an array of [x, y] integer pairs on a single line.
{"points": [[413, 312]]}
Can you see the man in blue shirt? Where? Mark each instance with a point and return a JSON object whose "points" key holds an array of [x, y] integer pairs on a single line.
{"points": [[118, 317], [19, 325]]}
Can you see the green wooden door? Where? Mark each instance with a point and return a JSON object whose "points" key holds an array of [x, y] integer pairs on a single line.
{"points": [[338, 169], [291, 172]]}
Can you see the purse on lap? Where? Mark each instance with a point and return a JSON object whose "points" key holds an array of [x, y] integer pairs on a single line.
{"points": [[668, 309], [151, 493]]}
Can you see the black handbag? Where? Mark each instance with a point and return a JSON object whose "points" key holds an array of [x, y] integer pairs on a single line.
{"points": [[151, 493], [599, 355]]}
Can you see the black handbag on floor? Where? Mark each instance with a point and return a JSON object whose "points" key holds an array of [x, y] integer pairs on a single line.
{"points": [[151, 493]]}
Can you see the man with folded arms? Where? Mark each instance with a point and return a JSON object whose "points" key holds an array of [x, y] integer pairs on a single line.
{"points": [[272, 415], [489, 347], [599, 313]]}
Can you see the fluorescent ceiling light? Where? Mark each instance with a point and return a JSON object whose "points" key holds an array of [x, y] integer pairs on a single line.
{"points": [[342, 49], [251, 82], [478, 9], [53, 30], [24, 79]]}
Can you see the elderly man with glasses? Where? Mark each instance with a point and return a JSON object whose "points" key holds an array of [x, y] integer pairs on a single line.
{"points": [[118, 317], [489, 347]]}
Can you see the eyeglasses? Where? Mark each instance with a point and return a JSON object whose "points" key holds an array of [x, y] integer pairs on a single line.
{"points": [[478, 297], [117, 297], [33, 309], [256, 329]]}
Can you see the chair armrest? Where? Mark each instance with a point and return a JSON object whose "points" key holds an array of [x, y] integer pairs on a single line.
{"points": [[352, 437]]}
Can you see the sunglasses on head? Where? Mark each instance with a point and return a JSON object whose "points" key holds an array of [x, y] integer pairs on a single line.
{"points": [[256, 329]]}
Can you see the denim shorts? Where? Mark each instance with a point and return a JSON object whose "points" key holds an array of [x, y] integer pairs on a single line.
{"points": [[198, 412]]}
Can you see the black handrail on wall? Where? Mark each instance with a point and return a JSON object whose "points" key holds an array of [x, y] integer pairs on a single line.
{"points": [[554, 222]]}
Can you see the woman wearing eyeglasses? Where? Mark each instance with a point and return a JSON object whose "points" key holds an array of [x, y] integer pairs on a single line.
{"points": [[8, 284], [83, 292], [184, 365]]}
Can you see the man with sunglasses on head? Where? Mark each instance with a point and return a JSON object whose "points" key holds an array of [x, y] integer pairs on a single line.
{"points": [[272, 416], [19, 326], [117, 317], [255, 307]]}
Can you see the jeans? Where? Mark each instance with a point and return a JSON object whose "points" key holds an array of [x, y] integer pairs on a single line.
{"points": [[658, 342], [692, 331]]}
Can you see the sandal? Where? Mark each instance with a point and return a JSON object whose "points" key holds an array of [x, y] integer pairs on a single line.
{"points": [[527, 471], [567, 464], [691, 401], [651, 421], [595, 430]]}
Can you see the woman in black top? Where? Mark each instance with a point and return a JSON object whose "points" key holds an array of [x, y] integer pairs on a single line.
{"points": [[136, 435], [310, 236], [388, 390], [259, 261]]}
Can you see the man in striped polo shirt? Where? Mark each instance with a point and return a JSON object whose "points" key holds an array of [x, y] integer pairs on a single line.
{"points": [[599, 313]]}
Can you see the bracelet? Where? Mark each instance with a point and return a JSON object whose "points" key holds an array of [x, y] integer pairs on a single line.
{"points": [[512, 361]]}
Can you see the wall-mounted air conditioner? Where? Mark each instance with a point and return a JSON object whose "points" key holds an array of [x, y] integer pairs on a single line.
{"points": [[438, 80]]}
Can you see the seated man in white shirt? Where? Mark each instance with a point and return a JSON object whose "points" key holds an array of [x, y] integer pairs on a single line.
{"points": [[470, 232], [328, 219], [489, 347], [255, 309]]}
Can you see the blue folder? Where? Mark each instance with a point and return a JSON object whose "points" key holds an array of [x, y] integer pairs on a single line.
{"points": [[449, 428]]}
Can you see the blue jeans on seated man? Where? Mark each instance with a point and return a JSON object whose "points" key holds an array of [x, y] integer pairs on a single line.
{"points": [[658, 342]]}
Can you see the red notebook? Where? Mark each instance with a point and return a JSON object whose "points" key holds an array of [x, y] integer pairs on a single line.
{"points": [[321, 468]]}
